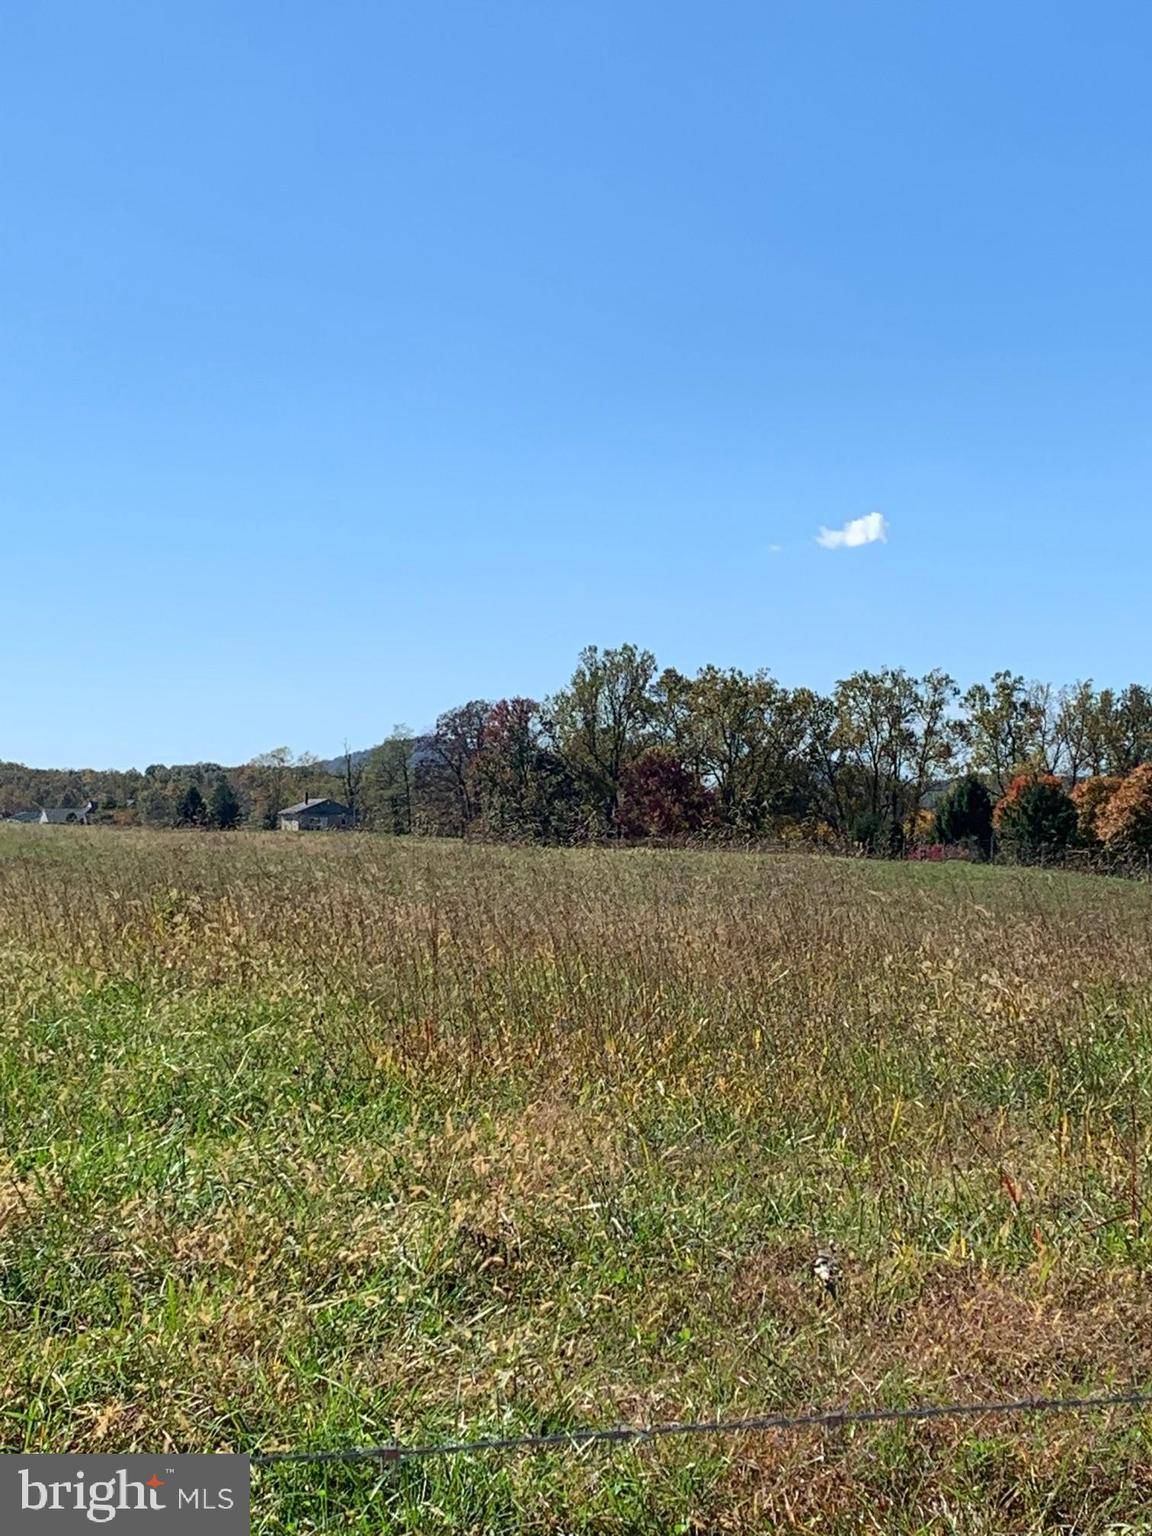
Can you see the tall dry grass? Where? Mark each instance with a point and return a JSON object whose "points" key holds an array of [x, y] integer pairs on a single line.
{"points": [[326, 1140]]}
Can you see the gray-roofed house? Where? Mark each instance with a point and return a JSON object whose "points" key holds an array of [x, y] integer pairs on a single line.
{"points": [[64, 815], [315, 816]]}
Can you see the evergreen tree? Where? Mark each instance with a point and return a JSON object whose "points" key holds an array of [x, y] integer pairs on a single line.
{"points": [[190, 808], [965, 814], [225, 806], [1036, 817]]}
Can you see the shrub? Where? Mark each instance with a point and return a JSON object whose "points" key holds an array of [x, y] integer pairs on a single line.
{"points": [[920, 826], [808, 832], [964, 815], [1036, 817], [1126, 820], [878, 835]]}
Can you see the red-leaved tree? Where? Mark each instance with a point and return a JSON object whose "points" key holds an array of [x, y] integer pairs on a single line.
{"points": [[660, 797]]}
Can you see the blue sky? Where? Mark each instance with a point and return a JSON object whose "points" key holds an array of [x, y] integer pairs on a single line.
{"points": [[357, 359]]}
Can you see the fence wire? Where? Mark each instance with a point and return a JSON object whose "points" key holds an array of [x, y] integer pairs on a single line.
{"points": [[619, 1434]]}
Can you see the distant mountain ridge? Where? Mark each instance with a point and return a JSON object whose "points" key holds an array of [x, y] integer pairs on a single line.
{"points": [[336, 764]]}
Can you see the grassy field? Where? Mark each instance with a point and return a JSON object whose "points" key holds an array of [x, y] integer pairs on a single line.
{"points": [[323, 1141]]}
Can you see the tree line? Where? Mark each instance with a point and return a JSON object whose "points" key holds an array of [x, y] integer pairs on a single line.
{"points": [[886, 761], [630, 751]]}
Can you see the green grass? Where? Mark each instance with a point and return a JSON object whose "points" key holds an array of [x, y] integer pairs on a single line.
{"points": [[326, 1141]]}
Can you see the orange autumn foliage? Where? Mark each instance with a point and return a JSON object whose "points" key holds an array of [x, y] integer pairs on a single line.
{"points": [[1090, 797], [1126, 820], [1019, 784]]}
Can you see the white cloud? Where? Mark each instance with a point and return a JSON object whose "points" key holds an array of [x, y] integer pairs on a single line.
{"points": [[870, 529]]}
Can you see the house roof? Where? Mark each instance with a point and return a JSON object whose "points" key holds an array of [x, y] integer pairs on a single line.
{"points": [[316, 808], [62, 813]]}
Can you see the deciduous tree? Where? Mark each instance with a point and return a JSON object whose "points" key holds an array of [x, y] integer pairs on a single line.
{"points": [[1090, 797], [269, 772], [741, 735], [1002, 729], [602, 721], [524, 787], [660, 797], [387, 792], [444, 769], [1127, 728], [1125, 822], [352, 768], [898, 733]]}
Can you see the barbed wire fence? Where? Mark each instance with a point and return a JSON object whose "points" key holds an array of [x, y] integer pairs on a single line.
{"points": [[620, 1434]]}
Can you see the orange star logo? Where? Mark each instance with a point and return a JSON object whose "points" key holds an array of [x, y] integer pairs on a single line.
{"points": [[154, 1482]]}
